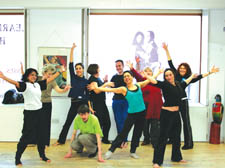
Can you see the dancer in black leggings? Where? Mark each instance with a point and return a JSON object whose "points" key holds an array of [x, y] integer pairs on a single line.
{"points": [[136, 112], [78, 93], [183, 72], [98, 101], [169, 117]]}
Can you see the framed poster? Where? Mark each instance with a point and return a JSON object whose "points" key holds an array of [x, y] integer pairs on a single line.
{"points": [[59, 57]]}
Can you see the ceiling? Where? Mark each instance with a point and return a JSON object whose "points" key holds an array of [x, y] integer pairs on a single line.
{"points": [[115, 4]]}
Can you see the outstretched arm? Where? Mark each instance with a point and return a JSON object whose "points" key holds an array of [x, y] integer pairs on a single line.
{"points": [[199, 77], [62, 69], [53, 77], [71, 52], [213, 70], [149, 79], [97, 91], [59, 90], [120, 90], [188, 80], [9, 80], [107, 84]]}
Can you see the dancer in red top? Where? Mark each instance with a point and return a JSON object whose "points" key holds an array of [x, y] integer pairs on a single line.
{"points": [[153, 101]]}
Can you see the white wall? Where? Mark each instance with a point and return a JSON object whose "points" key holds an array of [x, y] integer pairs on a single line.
{"points": [[217, 57], [53, 28], [11, 122]]}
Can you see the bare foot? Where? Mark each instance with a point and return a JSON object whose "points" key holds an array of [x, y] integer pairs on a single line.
{"points": [[48, 161], [45, 159], [124, 145], [183, 161], [101, 160], [68, 155], [56, 144], [19, 165], [156, 165]]}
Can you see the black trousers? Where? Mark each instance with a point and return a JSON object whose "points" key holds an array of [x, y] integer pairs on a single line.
{"points": [[69, 119], [47, 110], [33, 132], [184, 110], [151, 131], [168, 121], [102, 113], [136, 119]]}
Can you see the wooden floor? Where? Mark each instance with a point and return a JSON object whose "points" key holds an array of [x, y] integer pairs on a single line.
{"points": [[204, 155]]}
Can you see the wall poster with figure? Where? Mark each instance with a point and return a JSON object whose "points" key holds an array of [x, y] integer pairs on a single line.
{"points": [[59, 57]]}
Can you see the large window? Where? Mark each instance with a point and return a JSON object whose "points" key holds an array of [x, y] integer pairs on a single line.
{"points": [[113, 37], [11, 48]]}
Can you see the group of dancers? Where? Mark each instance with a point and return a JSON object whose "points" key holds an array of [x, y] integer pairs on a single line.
{"points": [[139, 105]]}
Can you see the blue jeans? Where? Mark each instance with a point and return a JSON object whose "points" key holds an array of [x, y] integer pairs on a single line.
{"points": [[120, 108]]}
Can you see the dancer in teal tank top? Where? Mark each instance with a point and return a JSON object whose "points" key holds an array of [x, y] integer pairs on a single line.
{"points": [[136, 112]]}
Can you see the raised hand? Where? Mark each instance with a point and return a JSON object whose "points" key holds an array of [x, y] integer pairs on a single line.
{"points": [[137, 59], [21, 65], [214, 69], [105, 79], [1, 74], [74, 46], [165, 46], [21, 68], [161, 70], [129, 64]]}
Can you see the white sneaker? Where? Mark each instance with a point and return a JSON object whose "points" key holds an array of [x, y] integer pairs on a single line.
{"points": [[108, 155], [134, 155]]}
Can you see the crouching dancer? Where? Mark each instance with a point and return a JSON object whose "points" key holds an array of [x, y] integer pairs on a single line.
{"points": [[90, 134]]}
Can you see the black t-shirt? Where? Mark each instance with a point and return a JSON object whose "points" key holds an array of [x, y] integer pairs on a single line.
{"points": [[172, 94], [118, 81], [93, 96]]}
